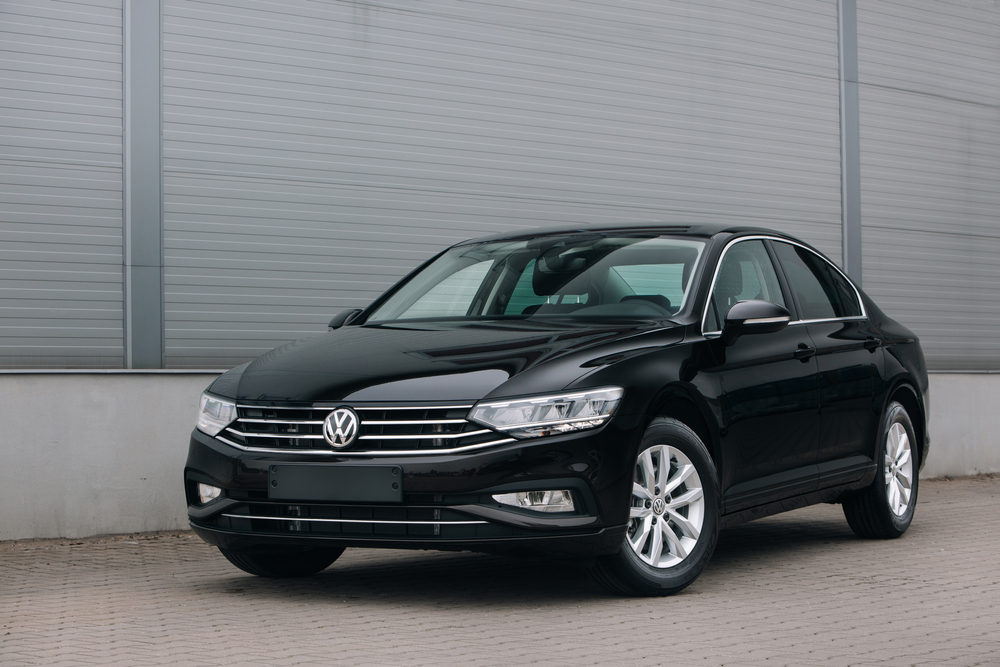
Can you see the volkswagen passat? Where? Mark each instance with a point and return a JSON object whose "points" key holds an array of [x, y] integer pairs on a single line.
{"points": [[614, 395]]}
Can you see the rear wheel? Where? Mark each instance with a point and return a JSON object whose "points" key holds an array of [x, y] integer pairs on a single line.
{"points": [[885, 509], [283, 563], [674, 516]]}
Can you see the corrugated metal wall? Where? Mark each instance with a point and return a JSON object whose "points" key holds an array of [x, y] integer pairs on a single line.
{"points": [[929, 76], [315, 151], [60, 184]]}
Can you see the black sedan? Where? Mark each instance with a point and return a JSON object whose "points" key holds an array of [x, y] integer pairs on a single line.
{"points": [[614, 395]]}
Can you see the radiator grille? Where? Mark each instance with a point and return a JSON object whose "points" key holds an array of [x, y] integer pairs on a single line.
{"points": [[383, 430]]}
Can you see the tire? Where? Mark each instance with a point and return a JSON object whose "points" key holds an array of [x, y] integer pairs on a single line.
{"points": [[884, 510], [674, 526], [284, 563]]}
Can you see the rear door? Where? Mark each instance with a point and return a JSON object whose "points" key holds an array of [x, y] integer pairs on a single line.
{"points": [[847, 355]]}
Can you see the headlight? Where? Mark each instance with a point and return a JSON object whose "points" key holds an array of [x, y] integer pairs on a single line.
{"points": [[215, 414], [549, 415]]}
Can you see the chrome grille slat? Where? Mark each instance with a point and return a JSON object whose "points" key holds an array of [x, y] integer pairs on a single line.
{"points": [[424, 436], [441, 522], [382, 430], [298, 436], [415, 422], [279, 421], [373, 453], [330, 408]]}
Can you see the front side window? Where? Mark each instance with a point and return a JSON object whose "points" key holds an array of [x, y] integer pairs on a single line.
{"points": [[822, 292], [746, 272], [582, 276]]}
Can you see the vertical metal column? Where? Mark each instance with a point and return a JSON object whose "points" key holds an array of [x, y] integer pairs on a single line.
{"points": [[142, 181], [850, 139]]}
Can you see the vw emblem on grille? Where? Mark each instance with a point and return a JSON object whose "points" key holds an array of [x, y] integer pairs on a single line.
{"points": [[341, 427]]}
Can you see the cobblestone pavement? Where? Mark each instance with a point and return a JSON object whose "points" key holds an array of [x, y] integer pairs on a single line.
{"points": [[797, 589]]}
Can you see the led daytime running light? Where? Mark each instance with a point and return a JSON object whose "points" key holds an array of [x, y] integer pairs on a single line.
{"points": [[549, 415], [215, 414]]}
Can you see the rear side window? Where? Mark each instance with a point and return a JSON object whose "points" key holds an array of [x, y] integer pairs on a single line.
{"points": [[823, 293]]}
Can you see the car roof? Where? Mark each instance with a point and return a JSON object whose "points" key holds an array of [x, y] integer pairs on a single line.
{"points": [[701, 230]]}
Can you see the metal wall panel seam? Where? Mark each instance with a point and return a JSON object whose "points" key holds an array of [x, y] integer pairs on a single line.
{"points": [[143, 221], [850, 140], [126, 187]]}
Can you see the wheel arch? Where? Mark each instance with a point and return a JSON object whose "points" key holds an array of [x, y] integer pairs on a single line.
{"points": [[689, 407], [906, 394]]}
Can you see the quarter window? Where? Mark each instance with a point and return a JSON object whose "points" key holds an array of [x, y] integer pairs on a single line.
{"points": [[822, 292], [746, 273]]}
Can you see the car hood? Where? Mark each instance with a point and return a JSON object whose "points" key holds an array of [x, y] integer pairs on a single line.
{"points": [[435, 362]]}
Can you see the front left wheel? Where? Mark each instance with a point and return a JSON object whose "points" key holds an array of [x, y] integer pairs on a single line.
{"points": [[674, 515]]}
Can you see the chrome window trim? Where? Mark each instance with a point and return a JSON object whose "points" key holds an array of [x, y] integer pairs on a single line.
{"points": [[853, 318], [764, 237]]}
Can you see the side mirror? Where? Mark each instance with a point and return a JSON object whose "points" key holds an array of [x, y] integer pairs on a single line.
{"points": [[342, 318], [754, 317]]}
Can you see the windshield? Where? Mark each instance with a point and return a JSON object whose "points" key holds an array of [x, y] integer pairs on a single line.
{"points": [[570, 276]]}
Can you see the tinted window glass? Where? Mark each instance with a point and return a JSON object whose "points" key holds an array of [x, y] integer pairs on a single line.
{"points": [[523, 299], [570, 276], [746, 273], [822, 292], [667, 280], [452, 296]]}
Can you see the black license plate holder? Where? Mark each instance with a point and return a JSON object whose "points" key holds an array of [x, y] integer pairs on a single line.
{"points": [[334, 482]]}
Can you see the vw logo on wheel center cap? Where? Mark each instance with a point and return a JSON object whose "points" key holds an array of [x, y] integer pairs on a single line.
{"points": [[659, 505], [341, 427]]}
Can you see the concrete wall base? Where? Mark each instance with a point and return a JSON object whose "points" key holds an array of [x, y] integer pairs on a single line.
{"points": [[98, 453], [964, 424], [92, 454]]}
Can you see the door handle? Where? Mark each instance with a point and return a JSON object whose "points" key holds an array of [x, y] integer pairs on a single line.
{"points": [[872, 344], [804, 353]]}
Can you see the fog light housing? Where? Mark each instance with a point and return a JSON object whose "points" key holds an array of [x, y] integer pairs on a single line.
{"points": [[207, 493], [538, 501]]}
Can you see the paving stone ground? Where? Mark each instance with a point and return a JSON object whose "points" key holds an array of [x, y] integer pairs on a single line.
{"points": [[798, 589]]}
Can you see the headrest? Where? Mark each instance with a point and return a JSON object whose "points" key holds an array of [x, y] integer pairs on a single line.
{"points": [[730, 282], [660, 300], [556, 268]]}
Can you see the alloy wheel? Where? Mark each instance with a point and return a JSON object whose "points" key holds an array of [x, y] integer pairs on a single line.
{"points": [[668, 507], [898, 469]]}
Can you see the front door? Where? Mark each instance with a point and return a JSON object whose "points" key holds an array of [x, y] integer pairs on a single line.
{"points": [[770, 400]]}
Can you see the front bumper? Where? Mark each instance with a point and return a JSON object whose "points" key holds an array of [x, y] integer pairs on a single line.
{"points": [[446, 502]]}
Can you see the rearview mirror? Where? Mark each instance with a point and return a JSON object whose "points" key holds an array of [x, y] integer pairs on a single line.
{"points": [[344, 317], [754, 317]]}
